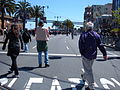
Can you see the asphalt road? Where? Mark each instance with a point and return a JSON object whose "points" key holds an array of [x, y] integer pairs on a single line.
{"points": [[65, 67]]}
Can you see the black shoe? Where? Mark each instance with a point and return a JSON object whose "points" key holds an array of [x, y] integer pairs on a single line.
{"points": [[10, 70], [81, 75], [16, 76], [88, 88], [47, 65], [40, 65]]}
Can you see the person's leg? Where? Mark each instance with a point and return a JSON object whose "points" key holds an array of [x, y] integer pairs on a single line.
{"points": [[40, 58], [88, 74], [14, 65], [46, 59], [26, 47]]}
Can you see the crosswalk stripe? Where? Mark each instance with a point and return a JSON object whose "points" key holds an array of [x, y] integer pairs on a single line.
{"points": [[63, 55]]}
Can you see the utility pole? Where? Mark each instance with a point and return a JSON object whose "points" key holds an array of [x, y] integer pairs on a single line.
{"points": [[43, 10]]}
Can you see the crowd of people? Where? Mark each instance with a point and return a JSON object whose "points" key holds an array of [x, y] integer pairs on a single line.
{"points": [[88, 42], [19, 41]]}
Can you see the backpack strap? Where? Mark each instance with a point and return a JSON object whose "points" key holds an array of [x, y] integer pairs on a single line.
{"points": [[93, 35]]}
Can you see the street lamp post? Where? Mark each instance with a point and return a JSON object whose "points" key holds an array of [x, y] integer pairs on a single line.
{"points": [[57, 17], [43, 10], [43, 7]]}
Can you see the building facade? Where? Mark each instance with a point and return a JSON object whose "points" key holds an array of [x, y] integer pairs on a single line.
{"points": [[95, 11], [88, 14], [100, 15], [116, 4], [8, 21]]}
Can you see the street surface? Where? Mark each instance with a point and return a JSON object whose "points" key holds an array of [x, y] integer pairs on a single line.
{"points": [[65, 67]]}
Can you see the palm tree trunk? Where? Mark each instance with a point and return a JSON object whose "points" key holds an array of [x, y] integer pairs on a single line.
{"points": [[36, 22]]}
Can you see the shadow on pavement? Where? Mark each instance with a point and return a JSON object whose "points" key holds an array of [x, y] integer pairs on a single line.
{"points": [[109, 58], [67, 89], [5, 75], [55, 57], [27, 68], [78, 87]]}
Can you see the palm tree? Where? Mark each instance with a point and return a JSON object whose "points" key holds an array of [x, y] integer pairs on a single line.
{"points": [[6, 7], [22, 11], [36, 12], [57, 24], [68, 24]]}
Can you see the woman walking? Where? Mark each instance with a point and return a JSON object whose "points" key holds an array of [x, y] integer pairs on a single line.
{"points": [[13, 47]]}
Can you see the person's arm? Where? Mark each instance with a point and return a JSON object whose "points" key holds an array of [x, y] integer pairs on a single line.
{"points": [[21, 41], [101, 48], [47, 33], [6, 40]]}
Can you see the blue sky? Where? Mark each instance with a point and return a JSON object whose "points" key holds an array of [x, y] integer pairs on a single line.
{"points": [[66, 9]]}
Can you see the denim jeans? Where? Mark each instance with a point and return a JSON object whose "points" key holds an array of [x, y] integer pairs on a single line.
{"points": [[26, 47], [45, 57]]}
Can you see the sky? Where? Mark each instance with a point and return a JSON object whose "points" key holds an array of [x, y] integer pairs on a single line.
{"points": [[66, 9]]}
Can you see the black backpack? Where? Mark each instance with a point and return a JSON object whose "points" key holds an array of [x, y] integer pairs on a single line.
{"points": [[26, 36]]}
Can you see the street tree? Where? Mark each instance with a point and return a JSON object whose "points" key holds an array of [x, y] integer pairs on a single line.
{"points": [[57, 24], [68, 24], [6, 7], [36, 12], [22, 11], [116, 20], [116, 15]]}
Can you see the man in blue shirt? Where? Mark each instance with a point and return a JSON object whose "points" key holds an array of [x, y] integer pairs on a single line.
{"points": [[88, 42]]}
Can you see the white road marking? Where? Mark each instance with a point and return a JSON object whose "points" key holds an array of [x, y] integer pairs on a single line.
{"points": [[55, 84], [115, 81], [12, 82], [33, 80], [105, 83], [3, 81], [64, 55], [34, 47]]}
